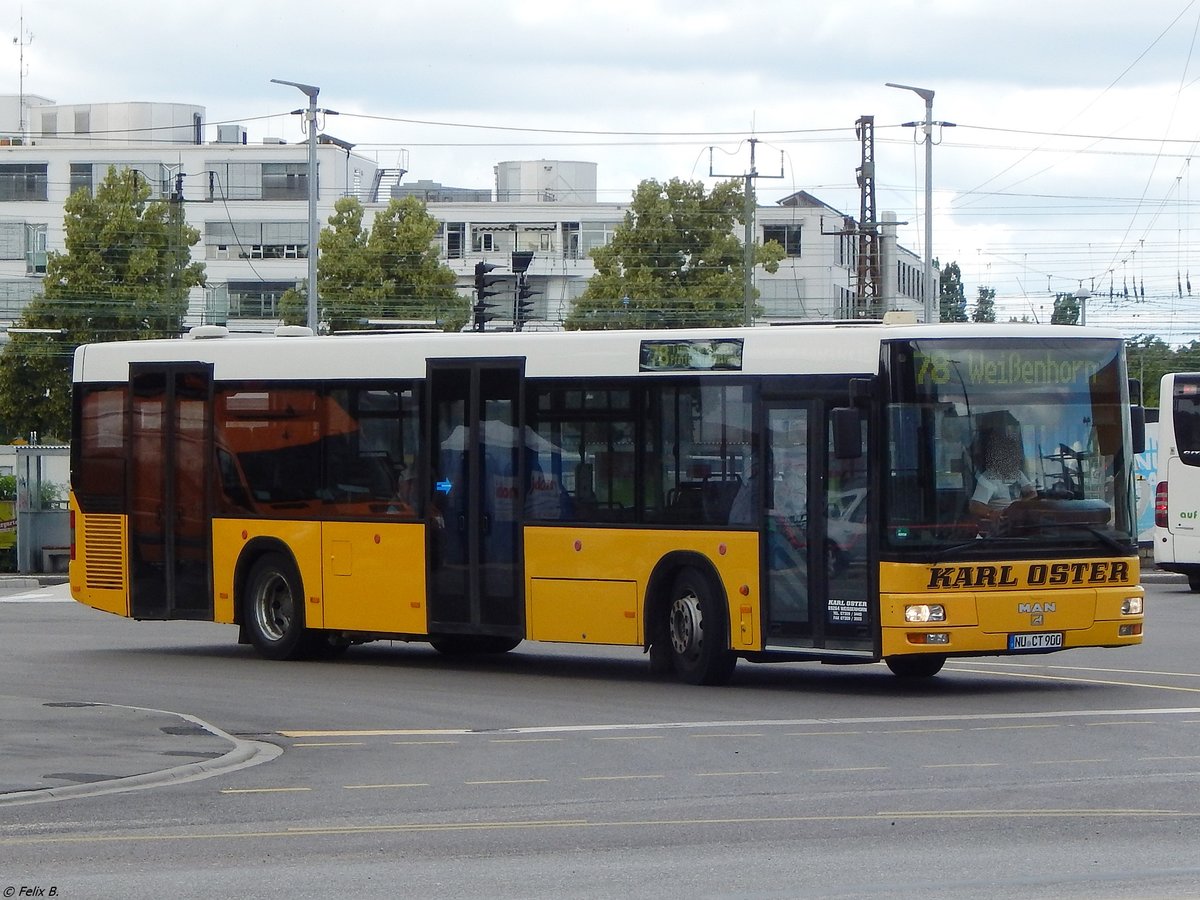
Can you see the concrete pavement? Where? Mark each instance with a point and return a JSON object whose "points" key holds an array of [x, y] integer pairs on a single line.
{"points": [[54, 750]]}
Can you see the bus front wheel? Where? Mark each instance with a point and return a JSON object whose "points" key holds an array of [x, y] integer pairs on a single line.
{"points": [[697, 631], [916, 666], [274, 609]]}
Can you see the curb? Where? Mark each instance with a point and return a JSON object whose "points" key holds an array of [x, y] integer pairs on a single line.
{"points": [[243, 755]]}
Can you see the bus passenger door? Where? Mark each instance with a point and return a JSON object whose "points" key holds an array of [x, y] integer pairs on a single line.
{"points": [[473, 537], [814, 536], [171, 451]]}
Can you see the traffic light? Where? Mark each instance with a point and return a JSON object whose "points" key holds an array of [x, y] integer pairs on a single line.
{"points": [[483, 281], [522, 304], [523, 310]]}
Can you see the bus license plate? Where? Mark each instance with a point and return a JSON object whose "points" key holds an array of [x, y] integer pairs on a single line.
{"points": [[1040, 640]]}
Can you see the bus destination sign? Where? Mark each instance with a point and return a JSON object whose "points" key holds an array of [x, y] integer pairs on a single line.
{"points": [[692, 355]]}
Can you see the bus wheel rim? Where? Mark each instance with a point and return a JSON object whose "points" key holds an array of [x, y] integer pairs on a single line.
{"points": [[685, 625], [273, 608]]}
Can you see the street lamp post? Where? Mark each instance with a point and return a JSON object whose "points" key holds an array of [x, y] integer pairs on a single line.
{"points": [[1082, 296], [311, 92], [926, 95]]}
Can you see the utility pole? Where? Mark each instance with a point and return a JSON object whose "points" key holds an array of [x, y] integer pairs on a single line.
{"points": [[311, 92], [748, 218], [932, 314], [868, 289]]}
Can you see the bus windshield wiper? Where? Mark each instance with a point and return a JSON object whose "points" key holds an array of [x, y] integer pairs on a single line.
{"points": [[982, 540]]}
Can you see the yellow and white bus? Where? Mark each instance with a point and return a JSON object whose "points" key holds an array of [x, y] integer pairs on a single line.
{"points": [[770, 494]]}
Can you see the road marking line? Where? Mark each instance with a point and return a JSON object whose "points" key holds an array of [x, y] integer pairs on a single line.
{"points": [[376, 787], [732, 774], [512, 781], [525, 741], [618, 777], [419, 743], [279, 790], [854, 769], [960, 765], [1011, 727], [332, 744], [1022, 717], [632, 737], [417, 827]]}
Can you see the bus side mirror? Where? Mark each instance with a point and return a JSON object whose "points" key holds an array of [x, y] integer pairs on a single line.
{"points": [[1137, 416], [847, 433], [1137, 425]]}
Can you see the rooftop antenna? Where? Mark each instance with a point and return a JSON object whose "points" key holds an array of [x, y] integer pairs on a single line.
{"points": [[22, 40]]}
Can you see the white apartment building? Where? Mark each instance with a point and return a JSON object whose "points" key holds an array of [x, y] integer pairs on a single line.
{"points": [[249, 201]]}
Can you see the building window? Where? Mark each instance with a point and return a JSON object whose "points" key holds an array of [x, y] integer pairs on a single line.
{"points": [[81, 177], [35, 249], [256, 240], [285, 181], [12, 240], [455, 239], [256, 299], [83, 121], [787, 236], [483, 242], [23, 181], [49, 124]]}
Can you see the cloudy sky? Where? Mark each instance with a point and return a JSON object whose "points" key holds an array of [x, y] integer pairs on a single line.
{"points": [[1070, 162]]}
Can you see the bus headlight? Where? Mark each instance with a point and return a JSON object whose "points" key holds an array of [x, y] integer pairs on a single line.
{"points": [[1131, 606], [925, 612]]}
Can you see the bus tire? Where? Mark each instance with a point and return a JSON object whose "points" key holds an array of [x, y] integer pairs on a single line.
{"points": [[697, 631], [916, 665], [273, 610], [1194, 582]]}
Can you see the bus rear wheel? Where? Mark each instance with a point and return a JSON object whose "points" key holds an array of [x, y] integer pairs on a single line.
{"points": [[697, 632], [916, 666], [274, 609]]}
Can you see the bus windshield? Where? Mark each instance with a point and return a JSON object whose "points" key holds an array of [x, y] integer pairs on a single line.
{"points": [[1018, 445]]}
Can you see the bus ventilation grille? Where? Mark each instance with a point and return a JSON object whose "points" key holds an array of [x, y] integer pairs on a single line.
{"points": [[103, 540]]}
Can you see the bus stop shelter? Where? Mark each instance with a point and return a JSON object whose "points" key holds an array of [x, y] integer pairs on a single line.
{"points": [[43, 518]]}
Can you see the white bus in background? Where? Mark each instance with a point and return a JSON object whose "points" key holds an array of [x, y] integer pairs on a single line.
{"points": [[1177, 496]]}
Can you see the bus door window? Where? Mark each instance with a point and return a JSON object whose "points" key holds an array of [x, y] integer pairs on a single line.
{"points": [[787, 550], [845, 553]]}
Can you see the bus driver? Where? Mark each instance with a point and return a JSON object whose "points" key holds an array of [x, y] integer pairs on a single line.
{"points": [[1002, 480]]}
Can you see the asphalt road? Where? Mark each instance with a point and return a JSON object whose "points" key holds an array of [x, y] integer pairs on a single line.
{"points": [[571, 772]]}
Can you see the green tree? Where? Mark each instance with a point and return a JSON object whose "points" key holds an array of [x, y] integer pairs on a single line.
{"points": [[985, 305], [1150, 358], [1066, 310], [391, 271], [952, 298], [125, 273], [674, 261]]}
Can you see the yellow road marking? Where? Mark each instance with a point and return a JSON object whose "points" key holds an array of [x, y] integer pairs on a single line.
{"points": [[525, 740], [512, 781], [307, 833], [373, 787]]}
